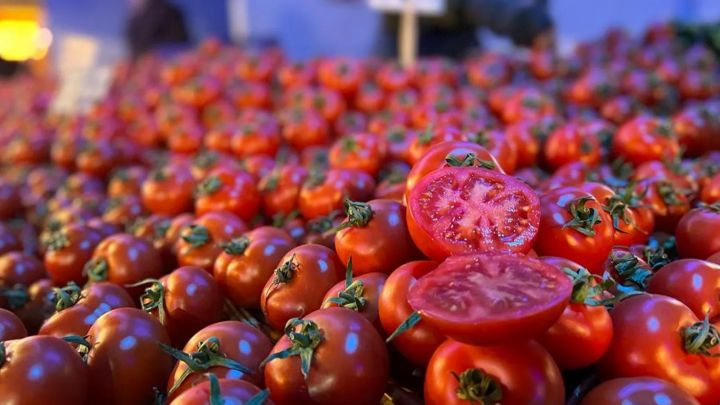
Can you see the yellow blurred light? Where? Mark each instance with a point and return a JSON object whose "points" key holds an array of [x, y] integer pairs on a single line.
{"points": [[23, 39]]}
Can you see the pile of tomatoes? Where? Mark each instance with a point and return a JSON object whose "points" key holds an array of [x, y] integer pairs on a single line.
{"points": [[228, 225]]}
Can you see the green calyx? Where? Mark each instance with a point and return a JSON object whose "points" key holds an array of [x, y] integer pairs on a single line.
{"points": [[305, 336], [67, 296], [285, 272], [712, 207], [16, 296], [583, 218], [96, 269], [353, 295], [83, 346], [323, 224], [630, 270], [56, 241], [587, 287], [469, 160], [208, 186], [197, 235], [476, 386], [700, 337], [426, 136], [669, 194], [3, 354], [161, 228], [205, 159], [348, 144], [358, 214], [618, 210], [236, 246], [153, 299], [404, 326], [207, 355]]}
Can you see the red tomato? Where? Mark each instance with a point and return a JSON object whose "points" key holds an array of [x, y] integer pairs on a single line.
{"points": [[49, 365], [503, 148], [527, 137], [302, 129], [127, 181], [255, 139], [527, 104], [681, 348], [364, 152], [122, 211], [11, 327], [200, 242], [695, 283], [637, 390], [226, 391], [301, 279], [462, 210], [361, 294], [10, 202], [667, 203], [714, 258], [575, 226], [77, 310], [228, 190], [522, 373], [644, 139], [325, 192], [458, 298], [570, 143], [697, 232], [247, 262], [342, 356], [280, 189], [710, 192], [168, 190], [375, 236], [20, 268]]}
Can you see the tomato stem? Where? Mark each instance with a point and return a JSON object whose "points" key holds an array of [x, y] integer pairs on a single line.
{"points": [[16, 297], [236, 246], [259, 399], [303, 342], [404, 326], [55, 241], [208, 186], [470, 160], [67, 296], [353, 296], [358, 214], [198, 236], [83, 345], [153, 298], [96, 269], [587, 286], [476, 386], [215, 394], [583, 218], [701, 337], [631, 270]]}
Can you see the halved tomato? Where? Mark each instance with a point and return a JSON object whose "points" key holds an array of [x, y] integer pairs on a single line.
{"points": [[492, 298]]}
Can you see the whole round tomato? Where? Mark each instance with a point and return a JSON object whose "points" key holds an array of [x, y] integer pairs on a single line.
{"points": [[658, 336], [375, 236], [575, 226], [224, 391], [334, 352], [500, 145], [695, 283], [644, 139], [33, 304], [169, 190], [298, 286], [710, 192], [325, 192], [458, 298], [463, 210], [11, 327], [361, 294], [247, 262], [125, 362], [522, 373], [122, 211], [46, 363], [77, 310], [231, 340], [697, 232], [20, 268], [570, 143], [637, 390], [364, 152], [527, 137], [280, 189], [127, 181], [667, 202], [10, 202], [255, 138], [8, 241], [229, 190], [304, 128], [200, 242]]}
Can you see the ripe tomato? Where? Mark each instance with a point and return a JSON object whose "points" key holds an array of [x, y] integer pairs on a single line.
{"points": [[714, 258], [125, 361], [710, 192], [46, 363], [527, 104], [361, 294], [168, 190], [301, 279], [11, 327], [460, 297], [681, 346], [431, 136], [570, 143], [221, 391], [280, 189], [255, 139], [228, 340], [334, 352], [637, 390], [499, 145], [200, 242], [575, 226], [77, 310], [527, 137], [644, 139], [228, 190], [123, 210], [522, 373], [325, 192], [20, 268], [8, 241], [695, 283], [124, 259], [304, 128], [10, 202], [375, 236], [697, 232], [667, 203], [31, 304], [341, 74], [127, 181], [247, 262], [462, 210], [364, 152], [97, 158]]}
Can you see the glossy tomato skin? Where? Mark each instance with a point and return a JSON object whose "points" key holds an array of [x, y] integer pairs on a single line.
{"points": [[667, 203], [238, 341], [695, 283], [313, 270], [637, 390], [126, 260], [644, 139], [96, 300], [554, 239], [710, 192], [280, 189], [231, 391], [644, 319], [570, 143], [373, 284], [525, 373], [199, 242], [230, 190], [11, 327], [382, 244], [319, 197], [8, 241], [697, 232], [714, 258], [62, 379], [356, 371], [20, 268], [125, 361], [169, 190], [364, 152], [466, 210]]}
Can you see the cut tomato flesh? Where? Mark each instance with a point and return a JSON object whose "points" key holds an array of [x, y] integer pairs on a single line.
{"points": [[474, 210], [491, 298]]}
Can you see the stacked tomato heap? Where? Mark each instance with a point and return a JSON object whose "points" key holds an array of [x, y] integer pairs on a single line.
{"points": [[229, 225]]}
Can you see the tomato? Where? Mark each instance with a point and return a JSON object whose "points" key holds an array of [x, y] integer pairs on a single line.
{"points": [[679, 348], [127, 181], [42, 370], [10, 202], [124, 259], [200, 242], [302, 129], [342, 74], [620, 109], [255, 139], [460, 297], [696, 128], [205, 162], [463, 210], [225, 391], [20, 268], [665, 171], [575, 226], [594, 87], [364, 152], [8, 241], [710, 192], [527, 104], [228, 190], [697, 232], [125, 361], [11, 327], [296, 74], [342, 357], [667, 203], [527, 137], [321, 230], [301, 279], [97, 158], [637, 390], [325, 192], [522, 373], [375, 236], [77, 310], [695, 283], [361, 294], [248, 95], [280, 189], [714, 258], [570, 143], [122, 210], [247, 262], [369, 98], [168, 190], [644, 139], [489, 70], [231, 340], [392, 76], [500, 146], [430, 136]]}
